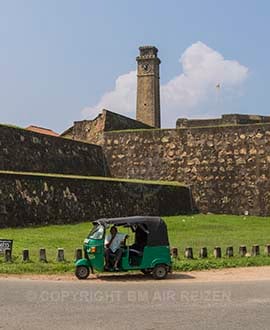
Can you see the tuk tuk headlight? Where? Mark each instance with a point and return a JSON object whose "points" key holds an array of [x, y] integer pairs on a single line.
{"points": [[93, 249]]}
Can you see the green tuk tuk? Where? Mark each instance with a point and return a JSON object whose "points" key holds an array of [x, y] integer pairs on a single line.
{"points": [[149, 252]]}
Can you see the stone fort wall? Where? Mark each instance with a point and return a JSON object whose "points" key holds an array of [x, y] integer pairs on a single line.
{"points": [[228, 119], [31, 195], [92, 130], [22, 150], [36, 199], [228, 168]]}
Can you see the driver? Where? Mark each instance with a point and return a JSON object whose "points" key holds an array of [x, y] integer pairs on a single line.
{"points": [[113, 243]]}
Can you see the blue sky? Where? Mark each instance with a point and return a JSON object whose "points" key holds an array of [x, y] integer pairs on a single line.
{"points": [[60, 60]]}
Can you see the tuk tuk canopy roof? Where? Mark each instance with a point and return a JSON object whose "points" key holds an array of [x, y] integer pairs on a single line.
{"points": [[156, 227]]}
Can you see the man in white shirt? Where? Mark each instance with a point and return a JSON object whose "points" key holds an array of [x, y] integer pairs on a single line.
{"points": [[113, 247]]}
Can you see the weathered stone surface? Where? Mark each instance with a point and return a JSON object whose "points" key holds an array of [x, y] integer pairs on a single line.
{"points": [[22, 150], [203, 252], [242, 251], [217, 252], [232, 119], [25, 255], [78, 254], [189, 253], [7, 255], [42, 255], [91, 131], [148, 94], [37, 200], [174, 252], [267, 250], [60, 255], [255, 250], [228, 168], [229, 251]]}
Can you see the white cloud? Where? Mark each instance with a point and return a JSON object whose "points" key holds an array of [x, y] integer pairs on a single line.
{"points": [[122, 99], [187, 95]]}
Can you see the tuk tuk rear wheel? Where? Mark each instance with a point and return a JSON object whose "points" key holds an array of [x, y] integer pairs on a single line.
{"points": [[82, 272], [160, 272]]}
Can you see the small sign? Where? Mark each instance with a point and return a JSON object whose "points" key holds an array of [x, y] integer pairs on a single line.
{"points": [[5, 244]]}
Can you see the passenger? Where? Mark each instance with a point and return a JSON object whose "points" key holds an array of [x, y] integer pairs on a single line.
{"points": [[140, 239], [113, 248]]}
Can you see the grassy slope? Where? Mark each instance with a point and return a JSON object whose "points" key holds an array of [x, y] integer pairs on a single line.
{"points": [[218, 230], [195, 231], [94, 178], [182, 128], [68, 237]]}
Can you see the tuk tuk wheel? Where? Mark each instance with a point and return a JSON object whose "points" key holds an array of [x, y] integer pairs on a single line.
{"points": [[160, 272], [82, 272]]}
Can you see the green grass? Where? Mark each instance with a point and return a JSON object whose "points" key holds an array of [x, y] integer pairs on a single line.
{"points": [[68, 237], [195, 231], [95, 178], [198, 231], [12, 126], [217, 230], [185, 128], [134, 130]]}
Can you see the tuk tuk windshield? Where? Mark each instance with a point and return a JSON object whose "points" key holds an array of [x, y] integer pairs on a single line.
{"points": [[97, 232]]}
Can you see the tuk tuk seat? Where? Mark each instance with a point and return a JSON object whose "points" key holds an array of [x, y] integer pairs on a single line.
{"points": [[136, 252]]}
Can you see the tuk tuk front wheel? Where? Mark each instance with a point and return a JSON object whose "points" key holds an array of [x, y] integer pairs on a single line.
{"points": [[160, 272], [82, 272]]}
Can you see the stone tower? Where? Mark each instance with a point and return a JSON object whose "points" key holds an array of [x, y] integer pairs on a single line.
{"points": [[148, 96]]}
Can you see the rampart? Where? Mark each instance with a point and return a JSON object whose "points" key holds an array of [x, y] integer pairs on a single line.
{"points": [[227, 167], [92, 130], [228, 119], [22, 150], [39, 199]]}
